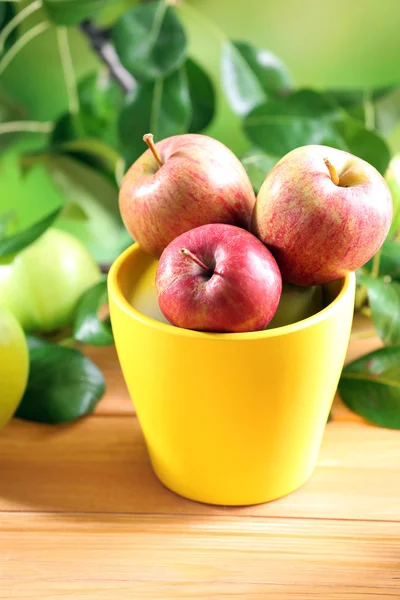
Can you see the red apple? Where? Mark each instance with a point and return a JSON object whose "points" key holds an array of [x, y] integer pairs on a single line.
{"points": [[218, 278], [322, 212], [182, 182]]}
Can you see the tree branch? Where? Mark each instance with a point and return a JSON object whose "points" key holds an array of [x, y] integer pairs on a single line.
{"points": [[106, 51]]}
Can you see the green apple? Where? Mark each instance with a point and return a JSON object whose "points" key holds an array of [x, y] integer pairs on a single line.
{"points": [[297, 303], [14, 365], [43, 283]]}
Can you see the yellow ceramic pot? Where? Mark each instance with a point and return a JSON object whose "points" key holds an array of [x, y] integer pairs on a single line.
{"points": [[232, 418]]}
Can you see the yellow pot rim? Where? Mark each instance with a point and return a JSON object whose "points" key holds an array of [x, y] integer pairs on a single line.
{"points": [[120, 300]]}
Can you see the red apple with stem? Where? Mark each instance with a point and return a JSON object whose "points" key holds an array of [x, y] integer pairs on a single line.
{"points": [[322, 212], [218, 278], [180, 183]]}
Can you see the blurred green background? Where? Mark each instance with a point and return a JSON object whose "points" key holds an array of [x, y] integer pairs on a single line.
{"points": [[262, 76], [323, 45]]}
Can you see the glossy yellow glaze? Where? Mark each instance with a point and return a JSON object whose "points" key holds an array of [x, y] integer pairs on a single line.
{"points": [[229, 418]]}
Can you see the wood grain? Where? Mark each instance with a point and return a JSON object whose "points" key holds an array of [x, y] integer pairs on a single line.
{"points": [[191, 557], [83, 516], [101, 465]]}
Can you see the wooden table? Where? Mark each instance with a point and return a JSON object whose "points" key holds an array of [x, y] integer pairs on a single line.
{"points": [[82, 516]]}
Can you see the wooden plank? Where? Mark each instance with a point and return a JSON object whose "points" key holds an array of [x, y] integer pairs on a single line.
{"points": [[101, 465], [101, 556]]}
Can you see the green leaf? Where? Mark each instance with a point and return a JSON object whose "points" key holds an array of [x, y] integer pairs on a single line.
{"points": [[32, 196], [150, 40], [389, 264], [365, 144], [9, 111], [88, 326], [384, 299], [68, 127], [390, 259], [20, 240], [62, 386], [251, 76], [240, 83], [385, 105], [202, 96], [5, 221], [258, 164], [387, 112], [3, 12], [35, 342], [308, 117], [161, 107], [370, 386], [350, 98], [303, 117], [102, 230], [111, 12], [95, 153], [268, 68], [70, 139], [71, 12], [74, 211], [7, 12], [100, 99], [95, 199]]}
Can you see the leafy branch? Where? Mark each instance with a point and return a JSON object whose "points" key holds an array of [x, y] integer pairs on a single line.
{"points": [[151, 83], [101, 44]]}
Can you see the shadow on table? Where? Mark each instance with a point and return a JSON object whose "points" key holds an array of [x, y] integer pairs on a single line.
{"points": [[97, 465]]}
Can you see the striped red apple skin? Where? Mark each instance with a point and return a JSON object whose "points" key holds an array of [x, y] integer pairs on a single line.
{"points": [[240, 292], [318, 230], [200, 182]]}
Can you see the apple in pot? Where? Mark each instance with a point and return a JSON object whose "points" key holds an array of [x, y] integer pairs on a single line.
{"points": [[220, 278], [297, 303], [182, 182], [322, 212]]}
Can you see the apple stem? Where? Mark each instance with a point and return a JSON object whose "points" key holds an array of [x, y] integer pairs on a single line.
{"points": [[149, 139], [194, 258], [332, 171]]}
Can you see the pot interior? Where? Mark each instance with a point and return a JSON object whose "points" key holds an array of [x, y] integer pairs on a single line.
{"points": [[136, 279]]}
